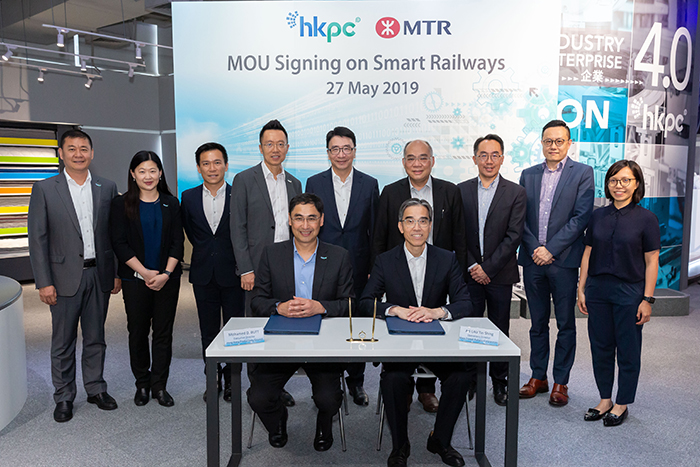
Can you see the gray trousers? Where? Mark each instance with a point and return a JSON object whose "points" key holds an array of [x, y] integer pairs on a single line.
{"points": [[89, 308]]}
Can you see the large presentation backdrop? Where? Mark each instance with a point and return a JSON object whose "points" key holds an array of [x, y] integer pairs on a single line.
{"points": [[447, 72]]}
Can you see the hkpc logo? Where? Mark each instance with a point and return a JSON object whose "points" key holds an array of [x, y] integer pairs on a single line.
{"points": [[389, 27], [313, 27]]}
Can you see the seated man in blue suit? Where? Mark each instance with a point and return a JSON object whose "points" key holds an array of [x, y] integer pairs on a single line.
{"points": [[205, 216], [417, 279], [352, 198], [299, 278], [559, 204]]}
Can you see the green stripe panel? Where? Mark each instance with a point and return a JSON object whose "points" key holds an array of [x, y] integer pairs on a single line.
{"points": [[29, 142], [28, 160], [13, 231]]}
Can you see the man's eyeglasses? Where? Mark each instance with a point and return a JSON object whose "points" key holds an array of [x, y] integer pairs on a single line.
{"points": [[279, 145], [548, 142], [410, 222], [484, 157], [624, 182], [335, 150], [301, 219]]}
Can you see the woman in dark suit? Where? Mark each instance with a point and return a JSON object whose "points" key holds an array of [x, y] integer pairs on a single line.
{"points": [[147, 238], [616, 288]]}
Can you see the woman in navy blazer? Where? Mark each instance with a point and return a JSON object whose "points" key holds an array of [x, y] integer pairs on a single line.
{"points": [[147, 237]]}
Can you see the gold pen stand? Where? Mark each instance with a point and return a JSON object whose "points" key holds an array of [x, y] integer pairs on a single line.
{"points": [[362, 336]]}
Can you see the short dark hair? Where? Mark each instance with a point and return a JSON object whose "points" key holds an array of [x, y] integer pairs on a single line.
{"points": [[556, 123], [415, 202], [489, 137], [273, 125], [340, 131], [413, 141], [636, 171], [211, 147], [74, 134], [306, 198]]}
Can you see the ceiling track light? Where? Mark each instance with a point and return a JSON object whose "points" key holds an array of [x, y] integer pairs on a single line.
{"points": [[60, 40], [89, 82], [7, 55], [83, 65], [41, 76], [138, 52], [131, 71]]}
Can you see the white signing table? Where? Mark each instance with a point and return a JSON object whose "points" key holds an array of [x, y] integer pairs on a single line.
{"points": [[331, 346]]}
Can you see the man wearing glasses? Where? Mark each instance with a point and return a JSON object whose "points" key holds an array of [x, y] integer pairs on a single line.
{"points": [[351, 198], [494, 212], [417, 279], [447, 227], [299, 278], [259, 217], [559, 204]]}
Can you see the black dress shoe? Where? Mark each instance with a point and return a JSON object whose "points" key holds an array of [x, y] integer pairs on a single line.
{"points": [[218, 388], [594, 414], [103, 400], [278, 438], [359, 396], [610, 419], [500, 393], [227, 392], [324, 433], [164, 399], [399, 457], [448, 454], [287, 399], [141, 397], [63, 411]]}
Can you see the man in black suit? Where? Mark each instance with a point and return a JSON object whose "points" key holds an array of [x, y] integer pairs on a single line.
{"points": [[494, 211], [447, 228], [417, 279], [351, 198], [299, 278], [205, 216]]}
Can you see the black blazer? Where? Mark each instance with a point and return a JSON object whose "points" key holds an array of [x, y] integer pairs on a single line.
{"points": [[448, 218], [274, 279], [356, 235], [502, 232], [443, 278], [212, 252], [127, 236]]}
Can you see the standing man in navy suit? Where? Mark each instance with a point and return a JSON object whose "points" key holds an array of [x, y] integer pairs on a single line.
{"points": [[205, 217], [559, 204], [494, 212], [351, 199]]}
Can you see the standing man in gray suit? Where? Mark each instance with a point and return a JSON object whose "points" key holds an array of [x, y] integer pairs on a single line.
{"points": [[260, 199], [74, 270]]}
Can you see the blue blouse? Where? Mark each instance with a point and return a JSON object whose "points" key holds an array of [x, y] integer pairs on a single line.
{"points": [[152, 228]]}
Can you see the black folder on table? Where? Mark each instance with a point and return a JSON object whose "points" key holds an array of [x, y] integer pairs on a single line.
{"points": [[396, 325], [278, 324]]}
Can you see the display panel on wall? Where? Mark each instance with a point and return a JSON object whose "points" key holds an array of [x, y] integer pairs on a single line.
{"points": [[27, 154], [446, 71]]}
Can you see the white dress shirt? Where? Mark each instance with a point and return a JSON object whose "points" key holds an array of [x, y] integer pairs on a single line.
{"points": [[342, 191], [416, 265], [425, 193], [277, 189], [214, 206], [82, 202]]}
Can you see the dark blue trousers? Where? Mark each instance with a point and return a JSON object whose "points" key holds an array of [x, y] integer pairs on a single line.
{"points": [[613, 329], [541, 283]]}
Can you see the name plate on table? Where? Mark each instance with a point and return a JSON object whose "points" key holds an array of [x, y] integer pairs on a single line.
{"points": [[478, 335], [243, 336]]}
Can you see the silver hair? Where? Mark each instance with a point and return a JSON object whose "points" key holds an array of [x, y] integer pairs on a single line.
{"points": [[416, 202]]}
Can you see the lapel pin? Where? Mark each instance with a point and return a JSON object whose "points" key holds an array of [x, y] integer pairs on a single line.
{"points": [[324, 257], [165, 205], [98, 184]]}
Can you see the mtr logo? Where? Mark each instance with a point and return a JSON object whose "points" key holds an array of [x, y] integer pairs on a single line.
{"points": [[389, 27], [313, 27]]}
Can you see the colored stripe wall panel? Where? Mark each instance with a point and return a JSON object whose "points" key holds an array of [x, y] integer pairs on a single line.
{"points": [[28, 160], [14, 210], [50, 143]]}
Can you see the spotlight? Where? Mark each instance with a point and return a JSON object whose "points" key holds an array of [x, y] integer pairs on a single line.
{"points": [[138, 52], [59, 40], [41, 76], [7, 55], [131, 71], [89, 83], [83, 65]]}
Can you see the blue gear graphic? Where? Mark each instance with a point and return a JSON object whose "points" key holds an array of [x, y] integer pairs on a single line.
{"points": [[540, 107], [496, 90], [457, 143], [521, 153], [480, 116], [432, 101], [457, 112]]}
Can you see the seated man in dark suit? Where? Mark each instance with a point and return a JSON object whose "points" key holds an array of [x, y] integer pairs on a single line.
{"points": [[299, 278], [417, 278]]}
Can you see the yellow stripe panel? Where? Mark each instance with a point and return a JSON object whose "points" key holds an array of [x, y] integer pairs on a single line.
{"points": [[29, 142], [14, 210]]}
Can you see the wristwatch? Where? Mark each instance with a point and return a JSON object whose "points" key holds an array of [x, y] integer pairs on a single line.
{"points": [[651, 300], [167, 273]]}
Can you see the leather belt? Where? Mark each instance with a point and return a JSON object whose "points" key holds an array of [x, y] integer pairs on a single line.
{"points": [[89, 263]]}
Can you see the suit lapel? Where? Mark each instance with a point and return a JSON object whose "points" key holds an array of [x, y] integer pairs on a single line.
{"points": [[500, 190], [64, 194], [438, 203], [320, 268], [404, 275], [227, 209], [262, 185], [198, 208], [563, 180], [331, 213], [538, 189], [355, 191], [430, 271], [288, 265], [96, 189], [291, 192]]}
